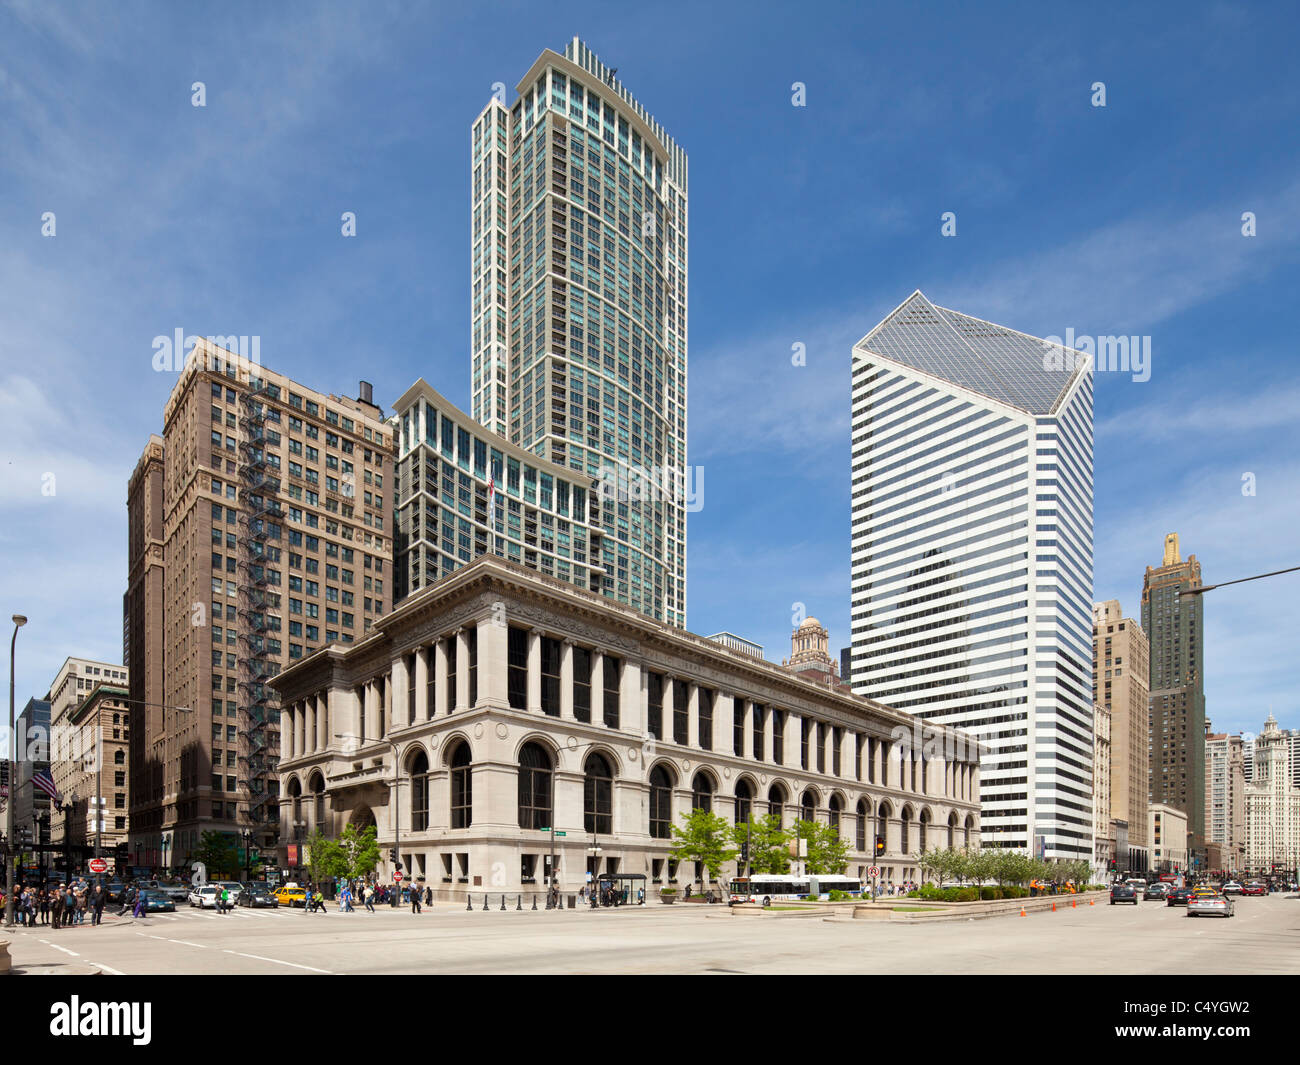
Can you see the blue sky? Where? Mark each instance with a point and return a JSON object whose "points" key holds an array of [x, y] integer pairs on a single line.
{"points": [[808, 224]]}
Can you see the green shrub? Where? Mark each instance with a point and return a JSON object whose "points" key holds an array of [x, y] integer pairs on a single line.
{"points": [[990, 893], [966, 894], [838, 896]]}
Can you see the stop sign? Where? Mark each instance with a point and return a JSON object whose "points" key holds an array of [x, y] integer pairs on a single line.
{"points": [[397, 877], [98, 865]]}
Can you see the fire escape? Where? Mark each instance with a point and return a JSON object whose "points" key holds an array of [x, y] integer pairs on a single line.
{"points": [[258, 657]]}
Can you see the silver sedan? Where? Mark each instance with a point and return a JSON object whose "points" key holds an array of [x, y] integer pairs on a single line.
{"points": [[1209, 906]]}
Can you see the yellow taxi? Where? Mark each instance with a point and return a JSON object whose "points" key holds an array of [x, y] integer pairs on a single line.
{"points": [[290, 895]]}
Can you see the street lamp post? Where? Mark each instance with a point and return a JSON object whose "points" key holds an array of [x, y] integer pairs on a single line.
{"points": [[12, 872], [248, 854]]}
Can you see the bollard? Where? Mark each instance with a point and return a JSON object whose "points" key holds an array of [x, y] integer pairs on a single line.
{"points": [[469, 902], [519, 902], [534, 900], [485, 905], [503, 900]]}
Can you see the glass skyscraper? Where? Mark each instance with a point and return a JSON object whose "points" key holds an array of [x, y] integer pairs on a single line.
{"points": [[972, 557], [578, 270]]}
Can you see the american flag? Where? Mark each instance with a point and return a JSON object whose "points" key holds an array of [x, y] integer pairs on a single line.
{"points": [[42, 779]]}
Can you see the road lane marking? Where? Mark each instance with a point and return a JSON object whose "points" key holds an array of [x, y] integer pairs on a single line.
{"points": [[106, 969], [277, 961], [187, 943], [64, 949]]}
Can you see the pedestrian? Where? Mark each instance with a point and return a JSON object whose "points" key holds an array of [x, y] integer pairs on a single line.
{"points": [[56, 906], [415, 899], [368, 894], [428, 896], [320, 902], [141, 904], [101, 897]]}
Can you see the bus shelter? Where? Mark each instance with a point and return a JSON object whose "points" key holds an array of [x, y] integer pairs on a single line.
{"points": [[619, 889]]}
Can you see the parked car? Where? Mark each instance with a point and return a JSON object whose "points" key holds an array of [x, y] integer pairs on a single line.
{"points": [[1209, 905], [1123, 893], [175, 892], [1178, 897], [1254, 888], [1156, 891], [256, 895], [1231, 887]]}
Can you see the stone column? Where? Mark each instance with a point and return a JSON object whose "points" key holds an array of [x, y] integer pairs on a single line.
{"points": [[848, 754], [322, 722], [420, 711], [631, 704], [566, 680], [441, 695], [769, 736], [400, 692], [493, 662], [597, 687], [723, 708], [288, 726], [534, 671], [462, 670], [692, 714], [793, 738]]}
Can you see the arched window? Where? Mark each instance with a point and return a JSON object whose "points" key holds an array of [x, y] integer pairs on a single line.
{"points": [[952, 831], [970, 823], [904, 834], [295, 793], [119, 757], [598, 795], [860, 837], [535, 772], [776, 803], [701, 792], [744, 801], [883, 814], [661, 803], [925, 824], [419, 771], [808, 806], [836, 805], [462, 788]]}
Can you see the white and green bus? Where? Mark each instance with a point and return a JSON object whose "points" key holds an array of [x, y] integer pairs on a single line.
{"points": [[767, 888]]}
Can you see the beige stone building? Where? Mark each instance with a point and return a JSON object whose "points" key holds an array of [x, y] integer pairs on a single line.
{"points": [[1120, 678], [96, 787], [1103, 831], [1225, 802], [1167, 826], [1272, 805], [73, 741], [259, 531], [498, 703]]}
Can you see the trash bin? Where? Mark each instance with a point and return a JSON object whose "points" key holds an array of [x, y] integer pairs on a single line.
{"points": [[573, 902]]}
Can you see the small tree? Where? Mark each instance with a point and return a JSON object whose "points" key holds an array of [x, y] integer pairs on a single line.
{"points": [[220, 853], [944, 864], [768, 850], [322, 856], [827, 852], [703, 838], [358, 852]]}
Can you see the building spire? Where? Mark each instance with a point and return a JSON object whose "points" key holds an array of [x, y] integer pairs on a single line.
{"points": [[1172, 557]]}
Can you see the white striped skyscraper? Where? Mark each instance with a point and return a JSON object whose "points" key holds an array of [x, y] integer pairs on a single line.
{"points": [[972, 557]]}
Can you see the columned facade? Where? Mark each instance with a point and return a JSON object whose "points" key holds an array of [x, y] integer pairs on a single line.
{"points": [[564, 710]]}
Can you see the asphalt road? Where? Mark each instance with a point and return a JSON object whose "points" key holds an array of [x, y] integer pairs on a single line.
{"points": [[1263, 937]]}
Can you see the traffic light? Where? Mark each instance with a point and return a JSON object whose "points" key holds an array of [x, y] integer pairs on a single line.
{"points": [[744, 853], [1112, 865], [880, 844], [392, 857]]}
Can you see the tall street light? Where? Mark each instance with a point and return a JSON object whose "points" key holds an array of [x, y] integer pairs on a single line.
{"points": [[19, 621]]}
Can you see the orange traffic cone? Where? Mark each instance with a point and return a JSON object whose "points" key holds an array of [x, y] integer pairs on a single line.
{"points": [[1092, 902], [1073, 905], [1053, 907], [1022, 910]]}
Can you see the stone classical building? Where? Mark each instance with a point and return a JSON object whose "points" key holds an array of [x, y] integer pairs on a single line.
{"points": [[1225, 802], [1120, 668], [810, 656], [1168, 828], [1103, 830], [1272, 804], [498, 703]]}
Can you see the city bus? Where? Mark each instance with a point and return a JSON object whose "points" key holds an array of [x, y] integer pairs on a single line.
{"points": [[767, 888]]}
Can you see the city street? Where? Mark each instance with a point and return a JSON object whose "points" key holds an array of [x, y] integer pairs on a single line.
{"points": [[1151, 938]]}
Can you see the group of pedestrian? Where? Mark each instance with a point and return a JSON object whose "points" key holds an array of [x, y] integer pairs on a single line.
{"points": [[60, 906], [350, 892]]}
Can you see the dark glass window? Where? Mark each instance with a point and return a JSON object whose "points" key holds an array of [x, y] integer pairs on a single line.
{"points": [[419, 793], [517, 676], [778, 736], [681, 713], [744, 801], [776, 803], [760, 713], [582, 684], [860, 829], [611, 678], [550, 676], [661, 803], [836, 805], [738, 726], [803, 742], [705, 738], [431, 674], [655, 711], [462, 788], [808, 806], [471, 643], [453, 675], [598, 795], [701, 792], [534, 787], [410, 687]]}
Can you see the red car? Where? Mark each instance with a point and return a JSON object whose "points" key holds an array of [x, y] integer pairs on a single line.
{"points": [[1254, 889]]}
